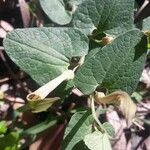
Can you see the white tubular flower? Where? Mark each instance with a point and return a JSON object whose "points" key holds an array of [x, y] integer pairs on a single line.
{"points": [[43, 91]]}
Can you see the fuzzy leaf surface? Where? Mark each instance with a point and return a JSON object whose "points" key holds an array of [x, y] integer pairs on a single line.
{"points": [[56, 11], [79, 126], [44, 53], [116, 66], [109, 16], [97, 141]]}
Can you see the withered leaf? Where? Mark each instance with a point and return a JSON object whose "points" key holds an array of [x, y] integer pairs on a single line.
{"points": [[120, 99]]}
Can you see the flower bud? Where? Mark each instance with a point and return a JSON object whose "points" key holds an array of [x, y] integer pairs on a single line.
{"points": [[107, 40]]}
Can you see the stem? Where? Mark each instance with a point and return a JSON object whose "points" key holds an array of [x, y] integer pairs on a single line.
{"points": [[94, 114], [142, 8], [136, 121]]}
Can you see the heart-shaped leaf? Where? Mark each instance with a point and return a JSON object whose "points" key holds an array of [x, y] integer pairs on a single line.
{"points": [[44, 53], [79, 126], [109, 16], [97, 141], [115, 66], [56, 11]]}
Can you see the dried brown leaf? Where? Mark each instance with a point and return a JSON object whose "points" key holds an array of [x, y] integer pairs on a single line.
{"points": [[121, 99]]}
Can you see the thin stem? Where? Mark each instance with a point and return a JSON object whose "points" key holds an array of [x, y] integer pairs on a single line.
{"points": [[94, 114], [142, 8], [137, 121]]}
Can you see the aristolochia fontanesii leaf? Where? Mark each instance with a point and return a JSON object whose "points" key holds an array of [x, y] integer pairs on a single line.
{"points": [[121, 99], [117, 65], [56, 11], [97, 141], [79, 126], [44, 53], [109, 16]]}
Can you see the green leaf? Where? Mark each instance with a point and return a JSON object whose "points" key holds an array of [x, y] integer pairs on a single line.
{"points": [[115, 66], [79, 145], [10, 141], [79, 126], [56, 11], [109, 16], [109, 128], [45, 53], [3, 127], [97, 141]]}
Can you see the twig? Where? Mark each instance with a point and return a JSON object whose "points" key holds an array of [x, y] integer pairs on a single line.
{"points": [[4, 80], [141, 8], [134, 121], [143, 12], [13, 99], [144, 105], [140, 143], [24, 12]]}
